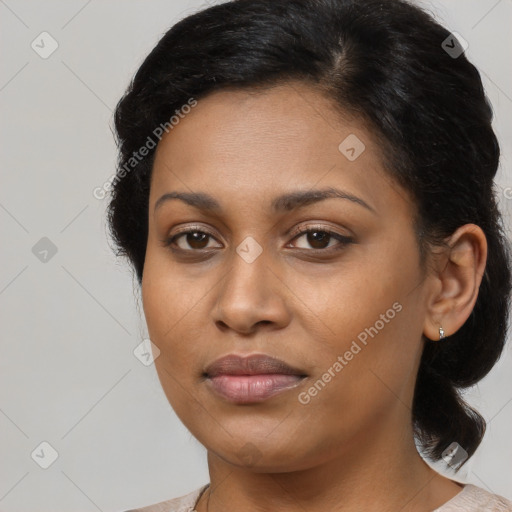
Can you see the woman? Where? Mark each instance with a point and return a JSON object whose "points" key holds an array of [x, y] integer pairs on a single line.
{"points": [[305, 191]]}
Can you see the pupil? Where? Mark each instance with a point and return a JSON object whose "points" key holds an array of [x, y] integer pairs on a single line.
{"points": [[197, 239], [317, 239]]}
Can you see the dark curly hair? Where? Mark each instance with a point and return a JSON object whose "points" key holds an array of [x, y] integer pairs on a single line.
{"points": [[393, 66]]}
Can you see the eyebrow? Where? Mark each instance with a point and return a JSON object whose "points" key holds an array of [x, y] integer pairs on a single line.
{"points": [[285, 202]]}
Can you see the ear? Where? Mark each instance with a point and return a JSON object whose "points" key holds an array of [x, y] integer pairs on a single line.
{"points": [[458, 275]]}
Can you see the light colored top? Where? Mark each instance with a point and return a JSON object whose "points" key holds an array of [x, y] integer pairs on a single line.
{"points": [[470, 499]]}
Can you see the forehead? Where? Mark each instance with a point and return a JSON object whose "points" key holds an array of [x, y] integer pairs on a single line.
{"points": [[253, 143], [294, 117]]}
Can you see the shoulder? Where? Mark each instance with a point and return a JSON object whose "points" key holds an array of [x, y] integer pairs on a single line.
{"points": [[474, 498], [184, 503]]}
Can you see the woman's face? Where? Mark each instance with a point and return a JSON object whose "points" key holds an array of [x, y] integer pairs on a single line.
{"points": [[345, 311]]}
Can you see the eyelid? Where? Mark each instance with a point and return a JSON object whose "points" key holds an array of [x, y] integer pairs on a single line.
{"points": [[169, 240], [343, 240], [192, 229], [301, 229], [295, 233]]}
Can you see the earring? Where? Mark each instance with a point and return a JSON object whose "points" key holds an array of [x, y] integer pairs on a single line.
{"points": [[441, 333]]}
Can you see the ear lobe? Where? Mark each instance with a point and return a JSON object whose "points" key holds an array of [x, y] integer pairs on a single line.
{"points": [[459, 278]]}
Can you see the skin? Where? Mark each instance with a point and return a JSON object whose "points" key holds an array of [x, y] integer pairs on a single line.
{"points": [[351, 447]]}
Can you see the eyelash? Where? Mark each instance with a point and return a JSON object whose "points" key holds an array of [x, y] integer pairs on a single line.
{"points": [[343, 240]]}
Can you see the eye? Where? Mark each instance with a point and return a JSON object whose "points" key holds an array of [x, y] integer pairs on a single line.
{"points": [[194, 237], [320, 238]]}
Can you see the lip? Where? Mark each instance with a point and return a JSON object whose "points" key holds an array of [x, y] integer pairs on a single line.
{"points": [[251, 379]]}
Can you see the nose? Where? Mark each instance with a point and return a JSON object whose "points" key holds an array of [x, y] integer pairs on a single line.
{"points": [[251, 296]]}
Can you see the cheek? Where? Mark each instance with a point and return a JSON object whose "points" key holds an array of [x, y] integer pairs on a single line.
{"points": [[348, 303], [375, 378], [167, 296], [174, 311], [374, 324], [168, 309]]}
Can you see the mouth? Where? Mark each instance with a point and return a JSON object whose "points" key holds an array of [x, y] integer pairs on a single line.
{"points": [[251, 379]]}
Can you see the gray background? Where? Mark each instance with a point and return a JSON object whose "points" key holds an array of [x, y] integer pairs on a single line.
{"points": [[68, 374]]}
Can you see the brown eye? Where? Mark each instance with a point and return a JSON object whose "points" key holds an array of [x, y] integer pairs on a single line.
{"points": [[318, 239], [196, 239], [321, 238], [189, 240]]}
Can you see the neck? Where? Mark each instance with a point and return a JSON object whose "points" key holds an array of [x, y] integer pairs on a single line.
{"points": [[381, 471]]}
